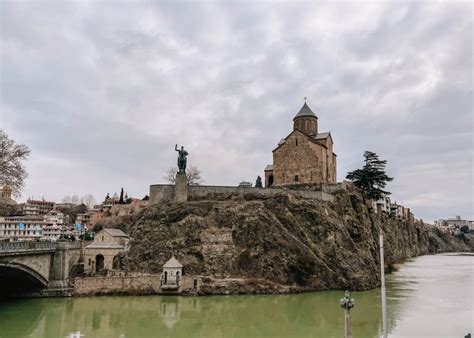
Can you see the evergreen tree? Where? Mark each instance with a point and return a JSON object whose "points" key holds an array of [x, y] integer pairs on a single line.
{"points": [[258, 182], [371, 179], [121, 197]]}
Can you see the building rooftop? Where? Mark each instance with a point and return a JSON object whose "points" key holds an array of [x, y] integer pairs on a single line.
{"points": [[173, 263], [97, 245], [269, 167], [305, 111], [38, 202], [321, 136], [115, 232]]}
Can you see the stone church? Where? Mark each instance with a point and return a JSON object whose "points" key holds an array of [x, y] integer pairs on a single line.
{"points": [[305, 156]]}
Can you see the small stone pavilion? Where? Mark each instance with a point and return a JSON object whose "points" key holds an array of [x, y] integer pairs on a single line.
{"points": [[172, 274]]}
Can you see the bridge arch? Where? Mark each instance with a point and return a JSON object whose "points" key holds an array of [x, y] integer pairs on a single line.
{"points": [[19, 278]]}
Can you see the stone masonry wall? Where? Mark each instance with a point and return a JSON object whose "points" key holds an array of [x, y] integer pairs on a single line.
{"points": [[161, 192], [40, 263], [311, 162], [165, 193], [140, 284]]}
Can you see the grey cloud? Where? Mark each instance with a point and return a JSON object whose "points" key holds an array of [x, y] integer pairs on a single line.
{"points": [[101, 92]]}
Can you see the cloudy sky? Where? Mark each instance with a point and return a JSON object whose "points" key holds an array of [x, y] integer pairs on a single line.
{"points": [[102, 91]]}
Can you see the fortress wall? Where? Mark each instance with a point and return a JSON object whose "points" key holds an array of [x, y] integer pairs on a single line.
{"points": [[165, 193], [161, 193], [332, 188]]}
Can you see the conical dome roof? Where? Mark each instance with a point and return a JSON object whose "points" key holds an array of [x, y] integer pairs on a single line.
{"points": [[173, 263], [305, 111]]}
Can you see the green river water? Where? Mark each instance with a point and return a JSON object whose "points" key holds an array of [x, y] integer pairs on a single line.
{"points": [[430, 296]]}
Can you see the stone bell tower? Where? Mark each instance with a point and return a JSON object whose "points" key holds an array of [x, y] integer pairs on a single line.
{"points": [[306, 121]]}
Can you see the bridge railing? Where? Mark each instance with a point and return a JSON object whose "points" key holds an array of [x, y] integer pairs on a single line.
{"points": [[21, 247]]}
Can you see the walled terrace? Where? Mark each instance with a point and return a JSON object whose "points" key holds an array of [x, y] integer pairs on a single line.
{"points": [[160, 193]]}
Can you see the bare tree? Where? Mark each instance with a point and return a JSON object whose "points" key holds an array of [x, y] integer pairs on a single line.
{"points": [[75, 200], [67, 199], [88, 200], [12, 170], [193, 175]]}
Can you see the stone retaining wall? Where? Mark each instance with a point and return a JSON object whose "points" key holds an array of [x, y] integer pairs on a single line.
{"points": [[165, 193], [133, 285], [136, 284]]}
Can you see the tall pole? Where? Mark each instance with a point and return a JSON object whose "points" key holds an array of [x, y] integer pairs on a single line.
{"points": [[348, 324], [347, 304], [382, 277]]}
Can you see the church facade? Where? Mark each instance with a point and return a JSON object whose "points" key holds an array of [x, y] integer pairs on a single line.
{"points": [[305, 156]]}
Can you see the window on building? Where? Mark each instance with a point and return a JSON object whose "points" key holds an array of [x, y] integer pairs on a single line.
{"points": [[296, 178], [296, 142]]}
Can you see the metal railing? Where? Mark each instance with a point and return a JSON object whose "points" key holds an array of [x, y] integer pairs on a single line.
{"points": [[22, 247]]}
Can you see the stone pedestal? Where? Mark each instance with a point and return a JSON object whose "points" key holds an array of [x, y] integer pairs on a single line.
{"points": [[181, 188]]}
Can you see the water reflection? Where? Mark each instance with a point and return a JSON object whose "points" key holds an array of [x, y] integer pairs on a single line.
{"points": [[303, 315], [170, 311]]}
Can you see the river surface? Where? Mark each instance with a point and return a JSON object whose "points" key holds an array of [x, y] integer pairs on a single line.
{"points": [[430, 296]]}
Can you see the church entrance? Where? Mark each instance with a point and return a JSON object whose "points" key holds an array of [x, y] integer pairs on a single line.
{"points": [[270, 181], [99, 263]]}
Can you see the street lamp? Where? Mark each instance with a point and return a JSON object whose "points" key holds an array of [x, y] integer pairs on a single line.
{"points": [[347, 304]]}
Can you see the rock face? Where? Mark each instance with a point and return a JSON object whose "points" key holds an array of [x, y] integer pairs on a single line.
{"points": [[277, 244]]}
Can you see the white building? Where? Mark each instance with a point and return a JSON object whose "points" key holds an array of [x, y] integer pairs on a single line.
{"points": [[110, 201], [21, 228], [47, 227], [84, 220], [36, 207], [453, 223], [55, 224], [383, 205]]}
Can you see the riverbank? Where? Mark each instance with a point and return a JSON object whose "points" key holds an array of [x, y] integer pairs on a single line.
{"points": [[429, 296]]}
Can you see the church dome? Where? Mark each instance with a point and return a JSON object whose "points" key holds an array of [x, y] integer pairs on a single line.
{"points": [[306, 121], [305, 111]]}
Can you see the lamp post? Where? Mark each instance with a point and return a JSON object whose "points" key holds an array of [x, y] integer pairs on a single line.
{"points": [[382, 289], [347, 304]]}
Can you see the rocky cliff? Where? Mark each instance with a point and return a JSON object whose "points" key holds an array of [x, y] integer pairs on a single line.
{"points": [[278, 244]]}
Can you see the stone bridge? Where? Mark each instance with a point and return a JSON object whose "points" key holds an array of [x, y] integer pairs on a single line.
{"points": [[38, 268]]}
